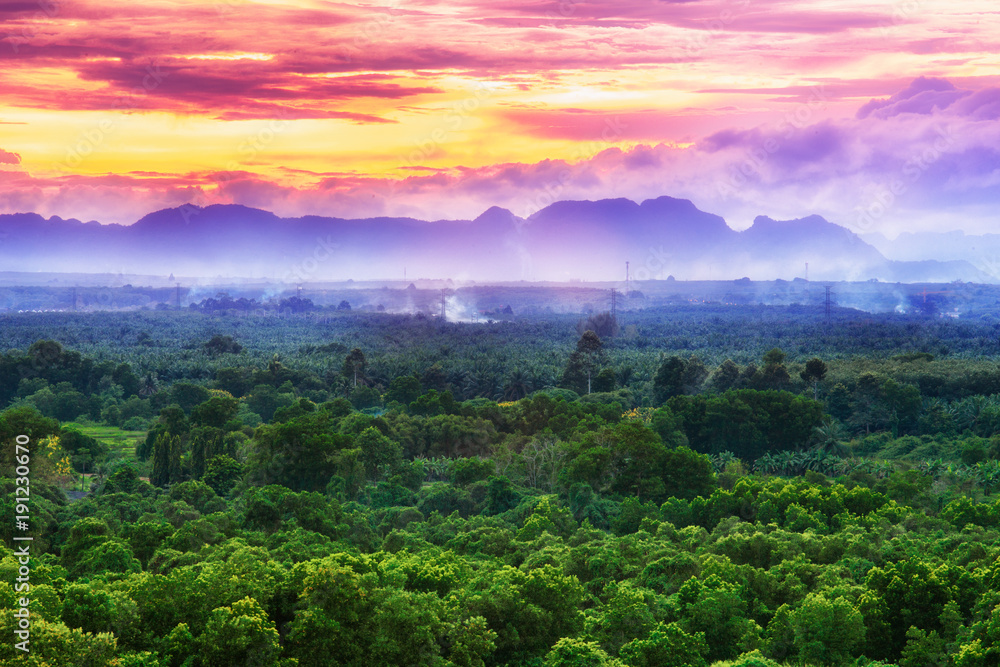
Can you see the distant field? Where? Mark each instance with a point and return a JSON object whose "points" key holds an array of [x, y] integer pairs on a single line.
{"points": [[122, 443]]}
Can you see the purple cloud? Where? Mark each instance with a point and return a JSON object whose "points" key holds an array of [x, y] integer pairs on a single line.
{"points": [[924, 96], [981, 105]]}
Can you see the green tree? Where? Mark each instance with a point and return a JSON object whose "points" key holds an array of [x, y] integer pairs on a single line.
{"points": [[626, 616], [88, 609], [302, 454], [838, 402], [22, 420], [774, 374], [605, 381], [668, 645], [923, 649], [716, 608], [530, 611], [903, 403], [825, 631], [570, 652], [221, 473], [240, 635], [377, 451], [165, 449], [354, 366], [669, 379], [584, 363], [188, 395], [687, 474], [215, 412], [127, 380], [404, 389], [747, 422], [222, 345], [828, 438], [637, 462], [814, 373], [725, 376]]}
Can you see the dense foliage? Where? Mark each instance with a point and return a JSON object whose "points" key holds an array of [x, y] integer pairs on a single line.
{"points": [[374, 490]]}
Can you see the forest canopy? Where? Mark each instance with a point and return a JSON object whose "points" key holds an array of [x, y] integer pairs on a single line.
{"points": [[428, 493]]}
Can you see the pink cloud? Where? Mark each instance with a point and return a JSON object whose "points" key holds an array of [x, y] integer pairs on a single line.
{"points": [[946, 161], [537, 39], [6, 157]]}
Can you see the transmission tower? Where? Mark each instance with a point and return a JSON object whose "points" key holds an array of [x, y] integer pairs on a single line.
{"points": [[627, 292], [828, 302]]}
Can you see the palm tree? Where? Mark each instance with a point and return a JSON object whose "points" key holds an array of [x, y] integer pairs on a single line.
{"points": [[786, 462], [518, 386], [828, 438], [149, 385], [766, 464], [845, 466], [989, 475], [883, 469]]}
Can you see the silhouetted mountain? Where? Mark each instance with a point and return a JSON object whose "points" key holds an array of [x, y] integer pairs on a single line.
{"points": [[589, 240], [980, 250]]}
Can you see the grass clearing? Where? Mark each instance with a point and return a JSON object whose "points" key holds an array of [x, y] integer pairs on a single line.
{"points": [[121, 443]]}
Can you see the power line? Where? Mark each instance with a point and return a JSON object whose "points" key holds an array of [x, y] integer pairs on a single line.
{"points": [[627, 290]]}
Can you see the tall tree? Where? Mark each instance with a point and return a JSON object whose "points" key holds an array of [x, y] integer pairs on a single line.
{"points": [[669, 379], [774, 375], [354, 365], [584, 363], [814, 372], [175, 460], [725, 376], [163, 449]]}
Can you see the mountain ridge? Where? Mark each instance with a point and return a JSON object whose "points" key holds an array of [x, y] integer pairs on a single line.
{"points": [[566, 240]]}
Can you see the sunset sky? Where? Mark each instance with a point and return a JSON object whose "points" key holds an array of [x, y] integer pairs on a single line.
{"points": [[441, 109]]}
